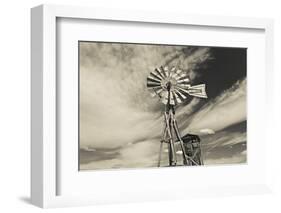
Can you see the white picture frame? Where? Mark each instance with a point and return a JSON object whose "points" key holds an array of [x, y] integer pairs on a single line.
{"points": [[44, 153]]}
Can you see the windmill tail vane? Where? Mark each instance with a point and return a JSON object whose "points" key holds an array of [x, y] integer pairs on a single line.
{"points": [[198, 91], [173, 87]]}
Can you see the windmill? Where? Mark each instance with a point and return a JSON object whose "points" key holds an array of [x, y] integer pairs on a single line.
{"points": [[173, 87]]}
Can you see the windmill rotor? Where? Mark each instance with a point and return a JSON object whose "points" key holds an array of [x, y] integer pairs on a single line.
{"points": [[172, 86]]}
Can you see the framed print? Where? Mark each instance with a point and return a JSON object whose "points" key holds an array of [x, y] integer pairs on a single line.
{"points": [[147, 105], [217, 120]]}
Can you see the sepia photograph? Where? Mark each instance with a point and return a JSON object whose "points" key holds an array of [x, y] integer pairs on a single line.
{"points": [[161, 105]]}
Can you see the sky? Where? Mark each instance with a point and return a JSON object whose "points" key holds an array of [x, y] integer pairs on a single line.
{"points": [[121, 123]]}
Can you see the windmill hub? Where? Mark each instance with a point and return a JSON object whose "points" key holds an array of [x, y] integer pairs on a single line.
{"points": [[168, 84]]}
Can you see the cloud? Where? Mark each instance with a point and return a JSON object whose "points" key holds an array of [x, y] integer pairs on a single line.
{"points": [[207, 131]]}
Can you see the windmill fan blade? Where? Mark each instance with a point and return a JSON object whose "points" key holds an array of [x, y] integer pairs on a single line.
{"points": [[152, 78], [156, 75], [176, 98], [172, 100], [173, 71], [183, 80], [167, 71], [155, 90], [184, 85], [181, 75], [182, 91], [161, 69], [174, 75], [180, 95], [152, 83], [164, 72], [179, 72], [164, 96], [160, 74], [158, 90]]}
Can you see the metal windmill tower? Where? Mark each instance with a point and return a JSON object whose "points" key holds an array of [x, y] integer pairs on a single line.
{"points": [[172, 86]]}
